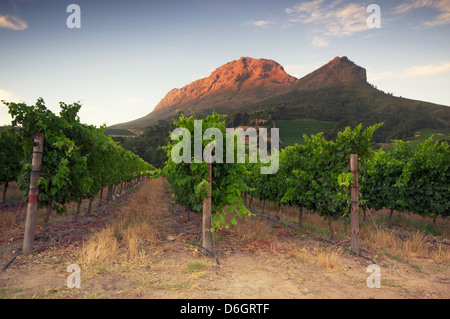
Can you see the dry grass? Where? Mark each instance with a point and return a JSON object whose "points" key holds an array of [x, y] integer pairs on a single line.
{"points": [[131, 238], [441, 255], [102, 248], [328, 260], [251, 227], [408, 241], [316, 256], [415, 245], [138, 235], [303, 255], [11, 217], [380, 238], [130, 253]]}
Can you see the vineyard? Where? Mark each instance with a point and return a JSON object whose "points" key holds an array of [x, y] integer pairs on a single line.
{"points": [[71, 161], [193, 215], [316, 176]]}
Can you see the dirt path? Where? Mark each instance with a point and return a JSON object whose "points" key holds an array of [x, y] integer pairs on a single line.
{"points": [[293, 267]]}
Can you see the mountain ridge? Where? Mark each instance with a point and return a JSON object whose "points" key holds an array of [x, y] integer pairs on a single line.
{"points": [[249, 84]]}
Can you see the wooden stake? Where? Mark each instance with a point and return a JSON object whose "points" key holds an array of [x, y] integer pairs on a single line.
{"points": [[354, 208], [207, 240], [33, 196]]}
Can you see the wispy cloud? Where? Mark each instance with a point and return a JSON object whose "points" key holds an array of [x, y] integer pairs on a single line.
{"points": [[319, 42], [12, 22], [261, 23], [427, 70], [441, 6], [418, 71], [307, 7], [412, 4], [334, 18]]}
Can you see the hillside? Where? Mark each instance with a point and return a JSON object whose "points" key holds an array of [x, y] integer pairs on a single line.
{"points": [[336, 92], [346, 105]]}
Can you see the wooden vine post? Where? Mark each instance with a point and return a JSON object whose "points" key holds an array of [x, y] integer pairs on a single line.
{"points": [[207, 240], [354, 208], [33, 196]]}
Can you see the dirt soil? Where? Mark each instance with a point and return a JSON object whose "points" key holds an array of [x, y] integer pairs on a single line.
{"points": [[248, 268]]}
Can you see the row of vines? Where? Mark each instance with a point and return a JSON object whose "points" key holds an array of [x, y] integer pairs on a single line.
{"points": [[316, 176], [78, 160]]}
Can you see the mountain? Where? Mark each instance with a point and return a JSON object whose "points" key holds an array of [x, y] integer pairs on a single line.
{"points": [[336, 92], [233, 85], [256, 78], [337, 72]]}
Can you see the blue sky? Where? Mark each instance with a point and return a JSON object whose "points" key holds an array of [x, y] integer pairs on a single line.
{"points": [[128, 54]]}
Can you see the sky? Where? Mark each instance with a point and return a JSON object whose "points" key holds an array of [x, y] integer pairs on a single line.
{"points": [[127, 55]]}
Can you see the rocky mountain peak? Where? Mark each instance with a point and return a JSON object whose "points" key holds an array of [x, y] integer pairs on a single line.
{"points": [[235, 76], [338, 71]]}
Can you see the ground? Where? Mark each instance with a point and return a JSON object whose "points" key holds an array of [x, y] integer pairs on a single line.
{"points": [[142, 245]]}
